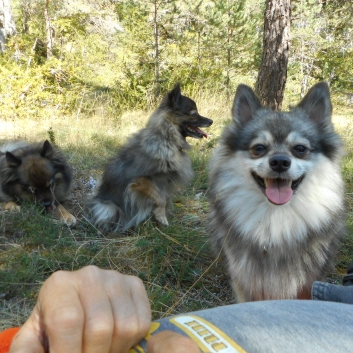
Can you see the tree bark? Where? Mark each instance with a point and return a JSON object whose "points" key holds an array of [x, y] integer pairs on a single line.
{"points": [[25, 9], [49, 30], [156, 46], [229, 35], [7, 23], [272, 74]]}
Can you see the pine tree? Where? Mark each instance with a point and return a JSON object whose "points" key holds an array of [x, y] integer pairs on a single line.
{"points": [[272, 74], [7, 23]]}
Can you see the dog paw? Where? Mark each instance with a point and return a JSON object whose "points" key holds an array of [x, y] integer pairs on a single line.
{"points": [[11, 206], [70, 220], [63, 216], [162, 220]]}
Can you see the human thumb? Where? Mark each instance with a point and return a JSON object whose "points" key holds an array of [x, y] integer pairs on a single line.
{"points": [[29, 339], [171, 342]]}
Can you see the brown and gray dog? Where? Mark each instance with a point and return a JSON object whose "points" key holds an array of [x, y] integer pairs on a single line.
{"points": [[35, 172], [149, 168]]}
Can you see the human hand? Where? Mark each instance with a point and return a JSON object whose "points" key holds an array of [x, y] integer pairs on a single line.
{"points": [[86, 311], [171, 342]]}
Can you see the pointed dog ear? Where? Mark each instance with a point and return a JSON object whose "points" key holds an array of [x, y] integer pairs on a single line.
{"points": [[47, 149], [317, 104], [12, 160], [174, 96], [245, 105]]}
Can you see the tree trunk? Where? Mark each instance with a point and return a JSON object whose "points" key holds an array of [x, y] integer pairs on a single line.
{"points": [[7, 23], [25, 9], [49, 30], [229, 35], [156, 45], [272, 75]]}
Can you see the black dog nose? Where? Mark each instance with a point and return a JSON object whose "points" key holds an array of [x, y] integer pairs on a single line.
{"points": [[210, 122], [46, 203], [280, 163]]}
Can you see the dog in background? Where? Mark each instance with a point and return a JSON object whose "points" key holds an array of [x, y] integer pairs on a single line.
{"points": [[36, 173], [150, 167], [277, 197]]}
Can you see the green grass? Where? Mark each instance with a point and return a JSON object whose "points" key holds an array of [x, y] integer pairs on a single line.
{"points": [[175, 262]]}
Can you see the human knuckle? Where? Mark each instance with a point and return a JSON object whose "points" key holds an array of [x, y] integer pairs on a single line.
{"points": [[67, 318], [144, 324], [92, 272], [58, 277], [100, 328], [130, 328], [136, 282]]}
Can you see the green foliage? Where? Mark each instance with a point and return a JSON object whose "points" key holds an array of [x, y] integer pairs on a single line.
{"points": [[203, 45], [51, 135], [91, 60], [322, 44]]}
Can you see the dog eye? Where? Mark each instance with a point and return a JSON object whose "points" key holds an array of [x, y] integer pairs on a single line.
{"points": [[259, 149], [300, 149]]}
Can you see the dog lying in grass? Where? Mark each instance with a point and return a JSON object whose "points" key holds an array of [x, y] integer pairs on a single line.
{"points": [[35, 172]]}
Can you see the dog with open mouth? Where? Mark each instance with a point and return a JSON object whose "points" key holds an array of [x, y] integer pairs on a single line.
{"points": [[277, 208], [150, 167]]}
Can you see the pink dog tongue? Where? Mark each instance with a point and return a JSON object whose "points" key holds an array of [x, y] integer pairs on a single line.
{"points": [[203, 133], [278, 191]]}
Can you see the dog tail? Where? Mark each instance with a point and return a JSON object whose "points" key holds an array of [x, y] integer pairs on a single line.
{"points": [[12, 146], [106, 215]]}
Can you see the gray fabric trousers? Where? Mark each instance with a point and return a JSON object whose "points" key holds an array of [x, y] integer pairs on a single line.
{"points": [[274, 326]]}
